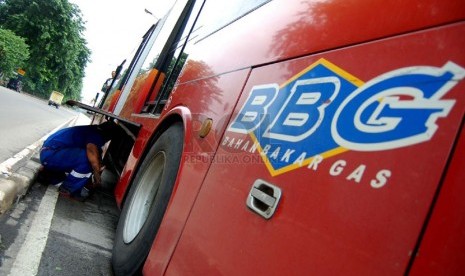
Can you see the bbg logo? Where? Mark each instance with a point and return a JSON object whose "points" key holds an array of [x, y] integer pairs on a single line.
{"points": [[324, 111]]}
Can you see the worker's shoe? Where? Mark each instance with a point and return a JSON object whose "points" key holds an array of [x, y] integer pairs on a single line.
{"points": [[48, 177], [81, 195]]}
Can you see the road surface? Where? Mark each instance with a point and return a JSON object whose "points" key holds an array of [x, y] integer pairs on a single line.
{"points": [[47, 234], [44, 233], [25, 119]]}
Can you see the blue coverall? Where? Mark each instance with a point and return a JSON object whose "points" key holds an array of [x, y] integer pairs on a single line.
{"points": [[66, 151]]}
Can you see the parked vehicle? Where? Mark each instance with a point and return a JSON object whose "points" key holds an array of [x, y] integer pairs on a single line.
{"points": [[293, 137], [55, 99], [15, 84]]}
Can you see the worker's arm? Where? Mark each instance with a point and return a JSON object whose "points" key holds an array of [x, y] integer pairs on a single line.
{"points": [[93, 155]]}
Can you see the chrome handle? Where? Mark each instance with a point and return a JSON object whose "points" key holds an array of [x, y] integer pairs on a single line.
{"points": [[263, 198]]}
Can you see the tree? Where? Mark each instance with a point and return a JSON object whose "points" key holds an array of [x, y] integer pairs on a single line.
{"points": [[13, 52], [58, 52]]}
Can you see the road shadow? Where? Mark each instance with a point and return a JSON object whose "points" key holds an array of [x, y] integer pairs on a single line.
{"points": [[81, 235]]}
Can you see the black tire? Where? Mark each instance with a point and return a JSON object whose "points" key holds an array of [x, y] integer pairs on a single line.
{"points": [[136, 232]]}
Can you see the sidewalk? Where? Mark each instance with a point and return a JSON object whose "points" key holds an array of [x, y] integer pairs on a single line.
{"points": [[19, 172]]}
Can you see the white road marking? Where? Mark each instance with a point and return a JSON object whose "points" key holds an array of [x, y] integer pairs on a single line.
{"points": [[6, 166], [28, 259]]}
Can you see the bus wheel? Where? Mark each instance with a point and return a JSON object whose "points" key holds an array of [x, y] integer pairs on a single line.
{"points": [[146, 202]]}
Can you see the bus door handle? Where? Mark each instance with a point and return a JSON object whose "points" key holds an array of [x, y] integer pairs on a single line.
{"points": [[264, 198]]}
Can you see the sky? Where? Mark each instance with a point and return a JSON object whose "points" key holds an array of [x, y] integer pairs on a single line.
{"points": [[114, 29]]}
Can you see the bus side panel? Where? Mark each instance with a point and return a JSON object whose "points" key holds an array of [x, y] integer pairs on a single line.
{"points": [[210, 98], [441, 251], [356, 209], [285, 29]]}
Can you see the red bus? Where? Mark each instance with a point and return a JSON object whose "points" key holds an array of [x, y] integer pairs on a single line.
{"points": [[293, 137]]}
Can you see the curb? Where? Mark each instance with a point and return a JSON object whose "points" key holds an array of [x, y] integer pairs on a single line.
{"points": [[17, 183]]}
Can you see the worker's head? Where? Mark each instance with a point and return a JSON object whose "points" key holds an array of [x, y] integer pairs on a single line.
{"points": [[109, 129]]}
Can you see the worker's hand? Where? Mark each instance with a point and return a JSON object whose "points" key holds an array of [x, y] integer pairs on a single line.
{"points": [[93, 155], [97, 178]]}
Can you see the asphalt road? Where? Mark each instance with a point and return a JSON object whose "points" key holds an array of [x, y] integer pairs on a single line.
{"points": [[45, 233], [25, 119]]}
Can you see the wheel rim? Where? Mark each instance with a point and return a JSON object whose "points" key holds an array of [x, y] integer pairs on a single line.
{"points": [[144, 197]]}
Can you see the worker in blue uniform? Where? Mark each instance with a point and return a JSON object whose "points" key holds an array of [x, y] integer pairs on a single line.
{"points": [[73, 155]]}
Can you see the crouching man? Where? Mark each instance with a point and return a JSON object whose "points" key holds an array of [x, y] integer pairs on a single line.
{"points": [[72, 155]]}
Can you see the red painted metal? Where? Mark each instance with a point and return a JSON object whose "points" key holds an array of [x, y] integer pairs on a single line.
{"points": [[441, 251], [285, 29], [327, 224]]}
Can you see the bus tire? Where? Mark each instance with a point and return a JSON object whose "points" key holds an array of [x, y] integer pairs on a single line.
{"points": [[146, 202]]}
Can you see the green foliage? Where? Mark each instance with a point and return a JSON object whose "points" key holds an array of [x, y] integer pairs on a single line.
{"points": [[58, 52], [13, 52]]}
